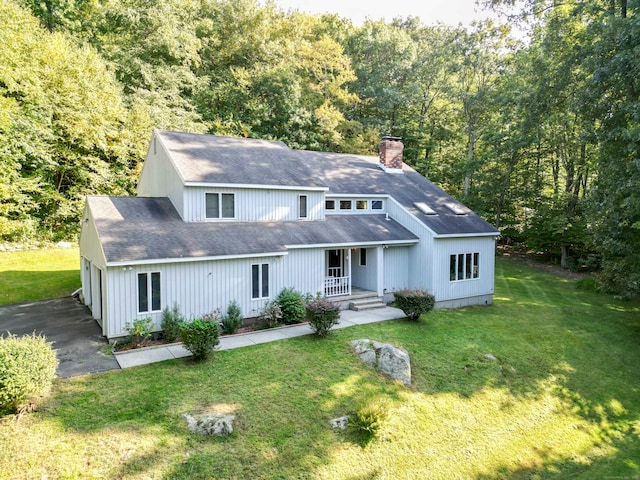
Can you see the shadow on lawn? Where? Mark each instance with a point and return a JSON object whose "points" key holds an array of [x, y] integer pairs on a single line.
{"points": [[287, 391]]}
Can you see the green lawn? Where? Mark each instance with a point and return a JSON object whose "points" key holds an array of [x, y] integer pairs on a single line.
{"points": [[27, 275], [561, 401]]}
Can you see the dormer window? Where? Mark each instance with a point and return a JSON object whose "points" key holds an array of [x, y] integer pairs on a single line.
{"points": [[330, 204], [220, 205], [361, 204], [376, 204], [345, 204]]}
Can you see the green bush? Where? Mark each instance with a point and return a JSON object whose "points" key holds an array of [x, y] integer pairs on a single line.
{"points": [[200, 336], [370, 418], [140, 330], [171, 320], [270, 315], [27, 369], [291, 304], [322, 315], [232, 321], [414, 302]]}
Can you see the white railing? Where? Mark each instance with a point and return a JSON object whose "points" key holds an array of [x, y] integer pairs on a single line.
{"points": [[335, 272], [335, 286]]}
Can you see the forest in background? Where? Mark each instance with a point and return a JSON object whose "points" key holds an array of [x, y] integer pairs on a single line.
{"points": [[540, 136]]}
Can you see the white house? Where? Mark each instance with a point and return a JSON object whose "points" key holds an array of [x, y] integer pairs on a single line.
{"points": [[219, 219]]}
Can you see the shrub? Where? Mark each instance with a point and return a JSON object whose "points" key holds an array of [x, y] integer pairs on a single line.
{"points": [[322, 315], [171, 320], [27, 369], [271, 314], [140, 330], [291, 304], [232, 321], [200, 336], [414, 302], [369, 418]]}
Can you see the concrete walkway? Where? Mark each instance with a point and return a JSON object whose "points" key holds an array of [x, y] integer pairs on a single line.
{"points": [[348, 318]]}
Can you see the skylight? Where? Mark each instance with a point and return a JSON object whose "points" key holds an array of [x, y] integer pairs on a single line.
{"points": [[456, 208], [424, 208]]}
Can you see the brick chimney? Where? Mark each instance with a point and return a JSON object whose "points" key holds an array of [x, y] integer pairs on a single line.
{"points": [[390, 150]]}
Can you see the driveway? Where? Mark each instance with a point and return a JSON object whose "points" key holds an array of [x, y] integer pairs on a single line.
{"points": [[76, 337]]}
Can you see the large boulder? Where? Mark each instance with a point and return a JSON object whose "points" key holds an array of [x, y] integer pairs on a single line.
{"points": [[210, 423], [387, 359]]}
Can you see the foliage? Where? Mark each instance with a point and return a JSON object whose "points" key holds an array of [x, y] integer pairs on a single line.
{"points": [[291, 303], [140, 330], [27, 369], [171, 320], [270, 314], [414, 303], [550, 159], [568, 356], [200, 337], [369, 418], [233, 318], [323, 315]]}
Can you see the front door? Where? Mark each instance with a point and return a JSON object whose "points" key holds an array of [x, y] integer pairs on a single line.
{"points": [[334, 263], [337, 280]]}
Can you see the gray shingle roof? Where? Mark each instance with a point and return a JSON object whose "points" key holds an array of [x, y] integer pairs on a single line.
{"points": [[138, 229], [225, 160]]}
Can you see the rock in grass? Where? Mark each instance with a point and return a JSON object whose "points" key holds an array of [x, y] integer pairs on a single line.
{"points": [[387, 359], [340, 422], [210, 423]]}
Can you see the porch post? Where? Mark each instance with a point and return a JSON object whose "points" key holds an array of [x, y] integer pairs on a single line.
{"points": [[380, 270], [349, 268]]}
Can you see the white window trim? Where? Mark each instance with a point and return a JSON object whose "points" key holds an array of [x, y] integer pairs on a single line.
{"points": [[260, 270], [306, 207], [149, 293], [220, 217], [474, 266], [351, 202], [360, 257]]}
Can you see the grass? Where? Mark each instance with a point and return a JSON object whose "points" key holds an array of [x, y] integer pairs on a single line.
{"points": [[562, 400], [27, 275]]}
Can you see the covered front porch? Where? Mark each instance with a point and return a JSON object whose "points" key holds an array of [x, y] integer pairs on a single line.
{"points": [[353, 271]]}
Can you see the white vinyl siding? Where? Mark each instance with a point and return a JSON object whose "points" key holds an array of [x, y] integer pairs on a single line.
{"points": [[159, 178], [396, 273], [474, 267], [254, 205]]}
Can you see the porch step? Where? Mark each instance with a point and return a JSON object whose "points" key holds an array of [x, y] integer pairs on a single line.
{"points": [[367, 304]]}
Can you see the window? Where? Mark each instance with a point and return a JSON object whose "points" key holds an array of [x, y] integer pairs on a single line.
{"points": [[330, 204], [302, 206], [376, 204], [361, 204], [220, 205], [149, 289], [464, 266], [345, 204], [363, 257], [260, 280]]}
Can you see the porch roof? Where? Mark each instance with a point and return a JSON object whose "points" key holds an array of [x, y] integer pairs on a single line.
{"points": [[137, 229]]}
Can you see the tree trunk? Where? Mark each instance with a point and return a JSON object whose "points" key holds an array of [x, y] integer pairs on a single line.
{"points": [[564, 257], [467, 168], [503, 190]]}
